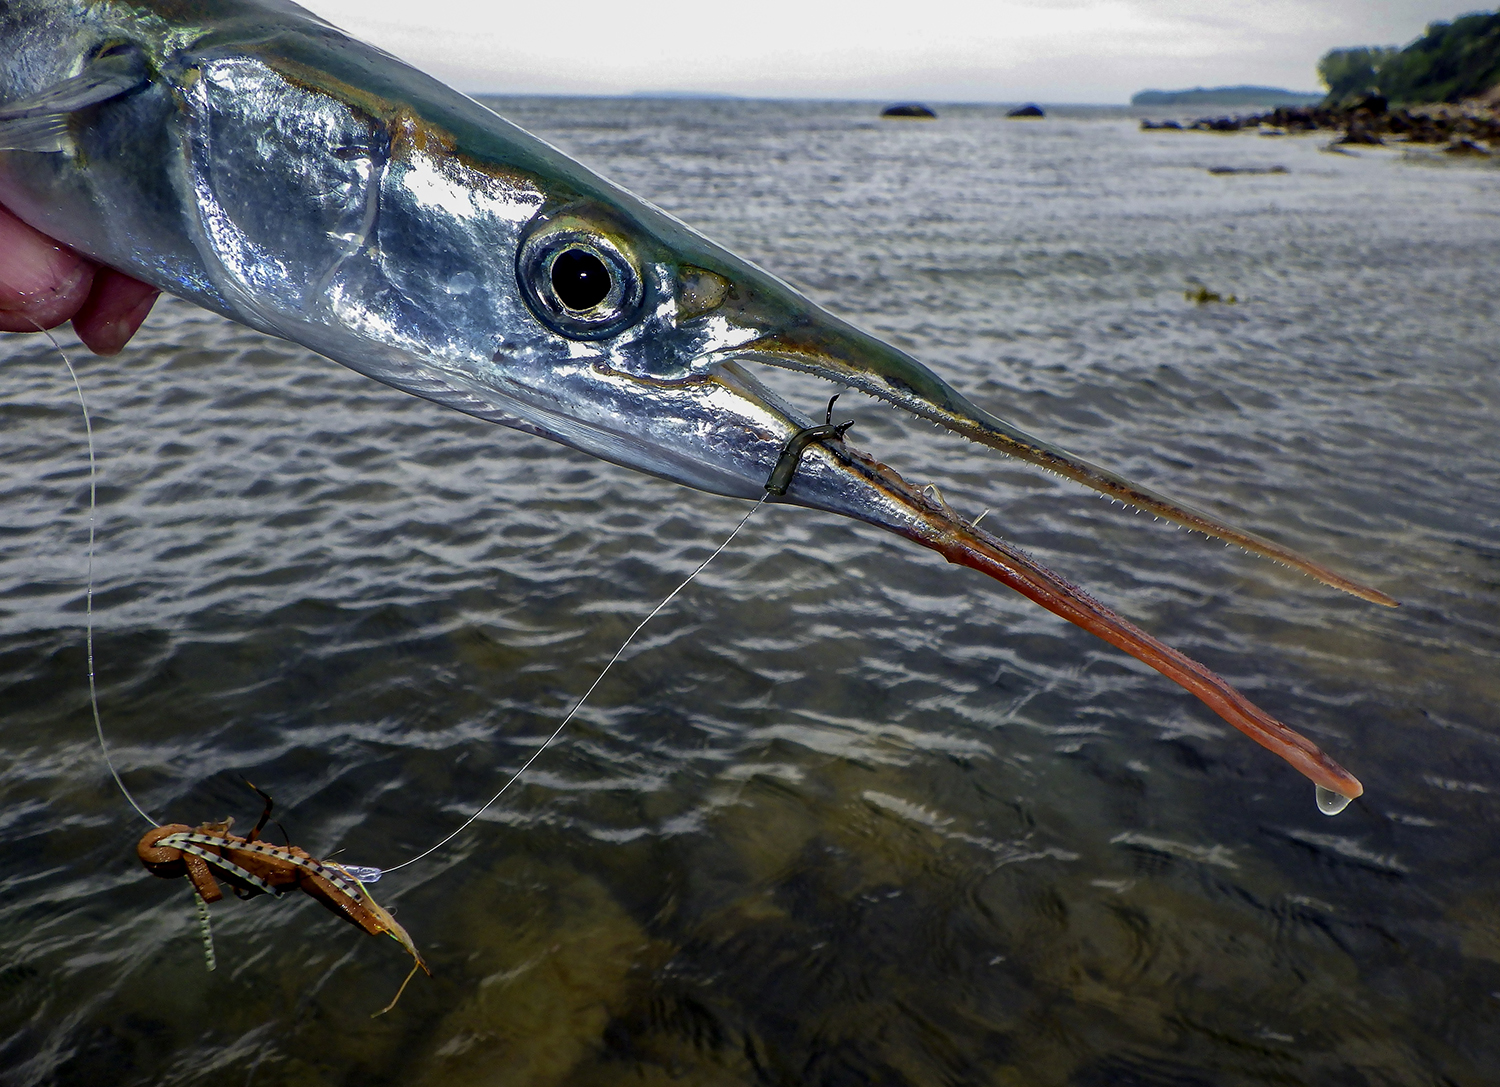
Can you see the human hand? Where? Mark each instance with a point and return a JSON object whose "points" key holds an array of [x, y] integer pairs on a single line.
{"points": [[44, 283]]}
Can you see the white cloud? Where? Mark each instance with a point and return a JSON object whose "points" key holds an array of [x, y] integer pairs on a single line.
{"points": [[1004, 50]]}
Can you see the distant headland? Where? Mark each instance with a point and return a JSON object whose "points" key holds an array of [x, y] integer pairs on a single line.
{"points": [[1451, 62], [1227, 96]]}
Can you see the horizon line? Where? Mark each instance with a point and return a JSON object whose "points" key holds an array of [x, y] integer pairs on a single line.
{"points": [[721, 96]]}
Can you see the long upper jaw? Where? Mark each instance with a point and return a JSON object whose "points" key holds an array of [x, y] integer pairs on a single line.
{"points": [[761, 319], [829, 348]]}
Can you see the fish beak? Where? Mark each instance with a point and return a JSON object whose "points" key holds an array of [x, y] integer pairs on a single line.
{"points": [[782, 328], [835, 477], [687, 407], [830, 348]]}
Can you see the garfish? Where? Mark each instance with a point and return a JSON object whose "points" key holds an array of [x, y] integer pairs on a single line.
{"points": [[249, 157]]}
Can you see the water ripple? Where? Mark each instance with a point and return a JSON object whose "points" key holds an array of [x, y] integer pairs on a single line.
{"points": [[844, 814]]}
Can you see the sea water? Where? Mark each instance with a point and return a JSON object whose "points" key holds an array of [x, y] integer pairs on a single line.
{"points": [[844, 814]]}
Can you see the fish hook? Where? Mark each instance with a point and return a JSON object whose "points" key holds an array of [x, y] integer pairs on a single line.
{"points": [[791, 453]]}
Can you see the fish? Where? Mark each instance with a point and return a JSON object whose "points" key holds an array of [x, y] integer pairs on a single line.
{"points": [[249, 157]]}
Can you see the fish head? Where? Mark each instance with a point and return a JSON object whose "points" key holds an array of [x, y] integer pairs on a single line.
{"points": [[622, 331]]}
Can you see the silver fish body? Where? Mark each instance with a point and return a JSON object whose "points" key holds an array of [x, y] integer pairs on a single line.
{"points": [[251, 158]]}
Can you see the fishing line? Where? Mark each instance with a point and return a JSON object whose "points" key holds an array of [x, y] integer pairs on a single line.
{"points": [[371, 873], [205, 924], [88, 596], [598, 680]]}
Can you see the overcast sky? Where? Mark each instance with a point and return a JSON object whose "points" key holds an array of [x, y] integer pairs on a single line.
{"points": [[1096, 51]]}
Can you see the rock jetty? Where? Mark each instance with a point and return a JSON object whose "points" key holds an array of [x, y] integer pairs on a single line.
{"points": [[1369, 121]]}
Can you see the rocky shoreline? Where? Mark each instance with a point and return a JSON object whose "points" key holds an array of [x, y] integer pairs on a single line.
{"points": [[1463, 128]]}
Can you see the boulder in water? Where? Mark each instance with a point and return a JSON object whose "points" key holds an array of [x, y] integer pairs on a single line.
{"points": [[1360, 133], [1224, 170], [1031, 109], [909, 109], [1203, 296]]}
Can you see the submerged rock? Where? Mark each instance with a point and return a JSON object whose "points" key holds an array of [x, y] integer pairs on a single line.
{"points": [[545, 959], [1372, 103], [1360, 133], [1369, 120], [1148, 126], [909, 109], [1247, 170], [1030, 109], [1221, 124]]}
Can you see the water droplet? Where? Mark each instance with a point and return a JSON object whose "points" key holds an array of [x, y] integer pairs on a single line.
{"points": [[1330, 802]]}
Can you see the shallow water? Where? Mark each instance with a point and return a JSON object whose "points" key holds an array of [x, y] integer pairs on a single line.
{"points": [[845, 815]]}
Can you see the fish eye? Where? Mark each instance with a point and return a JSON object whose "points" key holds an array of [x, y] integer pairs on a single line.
{"points": [[115, 47], [581, 283], [580, 279]]}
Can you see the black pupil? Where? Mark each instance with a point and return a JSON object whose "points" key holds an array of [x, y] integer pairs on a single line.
{"points": [[580, 279]]}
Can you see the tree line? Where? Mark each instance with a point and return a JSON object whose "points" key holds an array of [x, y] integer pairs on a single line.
{"points": [[1450, 62]]}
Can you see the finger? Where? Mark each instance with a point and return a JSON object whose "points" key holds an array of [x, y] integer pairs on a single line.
{"points": [[41, 283], [115, 309]]}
